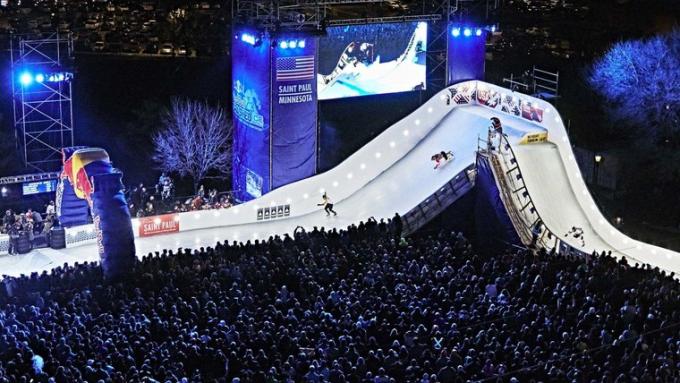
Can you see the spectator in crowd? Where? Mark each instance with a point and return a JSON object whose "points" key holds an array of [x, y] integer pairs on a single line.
{"points": [[8, 220], [345, 306], [51, 209]]}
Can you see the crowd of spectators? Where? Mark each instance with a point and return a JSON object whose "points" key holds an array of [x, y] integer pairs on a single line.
{"points": [[30, 222], [161, 199], [360, 305]]}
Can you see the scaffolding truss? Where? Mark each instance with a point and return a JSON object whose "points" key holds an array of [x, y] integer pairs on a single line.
{"points": [[42, 70], [314, 16]]}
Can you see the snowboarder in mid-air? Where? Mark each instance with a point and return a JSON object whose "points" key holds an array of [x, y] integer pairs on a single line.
{"points": [[327, 203], [441, 158]]}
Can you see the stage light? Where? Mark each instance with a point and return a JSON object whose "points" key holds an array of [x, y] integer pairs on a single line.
{"points": [[493, 28], [362, 166], [26, 79], [39, 78], [378, 155], [392, 144], [305, 196], [283, 45], [455, 32], [406, 133], [248, 38], [467, 32], [335, 184], [349, 176], [292, 44], [478, 32], [301, 44]]}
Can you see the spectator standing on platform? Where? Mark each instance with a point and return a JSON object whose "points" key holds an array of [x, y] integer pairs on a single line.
{"points": [[36, 218], [50, 210], [327, 203], [8, 220]]}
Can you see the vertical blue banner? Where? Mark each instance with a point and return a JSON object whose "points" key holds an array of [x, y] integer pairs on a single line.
{"points": [[466, 54], [294, 109], [251, 94]]}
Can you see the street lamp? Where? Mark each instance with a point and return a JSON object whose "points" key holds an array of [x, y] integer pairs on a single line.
{"points": [[596, 171]]}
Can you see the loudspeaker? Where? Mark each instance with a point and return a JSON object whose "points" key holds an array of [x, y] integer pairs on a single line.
{"points": [[57, 238]]}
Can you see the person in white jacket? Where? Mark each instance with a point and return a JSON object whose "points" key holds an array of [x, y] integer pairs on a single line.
{"points": [[327, 203]]}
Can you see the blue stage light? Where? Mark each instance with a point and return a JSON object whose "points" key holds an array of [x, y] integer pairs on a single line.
{"points": [[478, 32], [301, 44], [455, 32], [284, 45], [39, 78], [26, 79], [467, 32], [248, 38], [292, 44]]}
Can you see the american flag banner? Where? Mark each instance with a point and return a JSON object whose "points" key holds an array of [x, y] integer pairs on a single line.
{"points": [[294, 68]]}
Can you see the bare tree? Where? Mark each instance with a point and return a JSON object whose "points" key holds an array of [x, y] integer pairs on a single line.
{"points": [[640, 82], [195, 140]]}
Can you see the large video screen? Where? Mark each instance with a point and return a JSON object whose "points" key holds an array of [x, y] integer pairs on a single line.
{"points": [[362, 60]]}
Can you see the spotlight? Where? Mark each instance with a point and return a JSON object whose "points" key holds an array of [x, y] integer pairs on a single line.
{"points": [[248, 38], [455, 32], [26, 79], [283, 45], [301, 44], [493, 28], [467, 32], [292, 44], [478, 32], [39, 78]]}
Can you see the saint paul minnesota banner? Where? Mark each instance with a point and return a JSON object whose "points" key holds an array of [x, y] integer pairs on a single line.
{"points": [[274, 111]]}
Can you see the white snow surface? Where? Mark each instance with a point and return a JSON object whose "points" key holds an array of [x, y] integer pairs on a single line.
{"points": [[393, 173]]}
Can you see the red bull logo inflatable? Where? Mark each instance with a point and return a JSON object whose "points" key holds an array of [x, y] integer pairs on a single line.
{"points": [[91, 190]]}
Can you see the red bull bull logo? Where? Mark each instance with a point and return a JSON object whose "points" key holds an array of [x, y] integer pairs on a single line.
{"points": [[82, 162]]}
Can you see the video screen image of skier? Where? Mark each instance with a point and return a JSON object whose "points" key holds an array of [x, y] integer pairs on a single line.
{"points": [[362, 60]]}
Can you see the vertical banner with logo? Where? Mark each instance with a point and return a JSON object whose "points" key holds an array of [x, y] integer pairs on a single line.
{"points": [[294, 109], [466, 54], [251, 94]]}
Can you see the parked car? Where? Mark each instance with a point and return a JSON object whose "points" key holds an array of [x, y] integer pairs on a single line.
{"points": [[99, 46], [182, 51], [167, 49]]}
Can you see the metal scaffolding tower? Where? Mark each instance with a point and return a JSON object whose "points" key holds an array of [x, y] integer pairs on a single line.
{"points": [[42, 70]]}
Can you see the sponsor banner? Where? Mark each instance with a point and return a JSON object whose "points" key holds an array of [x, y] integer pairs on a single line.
{"points": [[273, 212], [160, 224], [510, 103], [533, 138], [294, 109], [251, 114], [461, 94]]}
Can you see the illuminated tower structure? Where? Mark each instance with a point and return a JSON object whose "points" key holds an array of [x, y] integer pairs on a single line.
{"points": [[42, 75]]}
